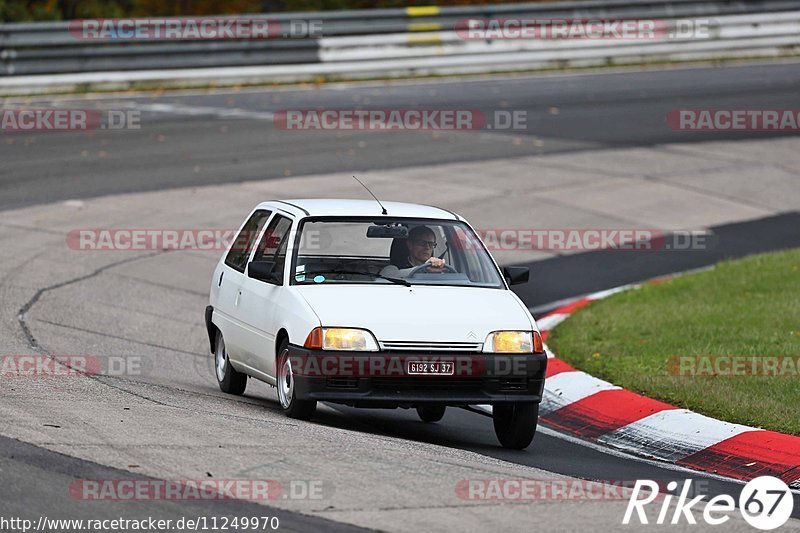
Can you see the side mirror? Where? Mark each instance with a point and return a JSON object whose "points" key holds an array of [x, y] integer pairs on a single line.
{"points": [[262, 271], [516, 275]]}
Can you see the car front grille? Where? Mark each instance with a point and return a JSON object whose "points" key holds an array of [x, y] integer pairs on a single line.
{"points": [[415, 346]]}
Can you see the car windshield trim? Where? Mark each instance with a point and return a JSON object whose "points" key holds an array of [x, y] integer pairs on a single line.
{"points": [[455, 222]]}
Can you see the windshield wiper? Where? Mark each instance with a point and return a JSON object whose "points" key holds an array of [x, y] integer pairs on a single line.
{"points": [[398, 281]]}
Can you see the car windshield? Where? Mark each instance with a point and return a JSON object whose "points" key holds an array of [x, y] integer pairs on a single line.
{"points": [[399, 251]]}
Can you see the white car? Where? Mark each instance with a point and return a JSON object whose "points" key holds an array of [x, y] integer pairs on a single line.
{"points": [[369, 305]]}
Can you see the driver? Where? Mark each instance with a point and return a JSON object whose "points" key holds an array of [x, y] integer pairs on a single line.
{"points": [[421, 243]]}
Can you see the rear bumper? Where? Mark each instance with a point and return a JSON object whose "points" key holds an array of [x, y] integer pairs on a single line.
{"points": [[381, 379]]}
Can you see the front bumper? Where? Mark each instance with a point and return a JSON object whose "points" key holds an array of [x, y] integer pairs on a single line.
{"points": [[381, 379]]}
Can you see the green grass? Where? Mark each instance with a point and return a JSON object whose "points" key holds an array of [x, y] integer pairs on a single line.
{"points": [[744, 307]]}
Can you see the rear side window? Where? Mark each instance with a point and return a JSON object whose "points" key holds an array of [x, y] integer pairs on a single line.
{"points": [[274, 243], [243, 245]]}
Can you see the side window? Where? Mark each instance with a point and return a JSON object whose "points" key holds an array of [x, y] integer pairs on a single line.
{"points": [[274, 243], [465, 245], [243, 245]]}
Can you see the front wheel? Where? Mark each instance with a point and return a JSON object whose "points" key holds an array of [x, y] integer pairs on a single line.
{"points": [[229, 379], [294, 408], [431, 413], [515, 424]]}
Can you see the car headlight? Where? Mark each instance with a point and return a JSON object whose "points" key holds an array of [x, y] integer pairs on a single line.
{"points": [[344, 339], [513, 342]]}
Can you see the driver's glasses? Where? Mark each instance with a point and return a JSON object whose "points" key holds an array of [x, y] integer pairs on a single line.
{"points": [[425, 244]]}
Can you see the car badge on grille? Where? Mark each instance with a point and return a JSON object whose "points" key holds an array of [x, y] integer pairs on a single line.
{"points": [[472, 335]]}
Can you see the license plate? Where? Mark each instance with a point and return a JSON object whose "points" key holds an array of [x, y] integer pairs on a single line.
{"points": [[430, 368]]}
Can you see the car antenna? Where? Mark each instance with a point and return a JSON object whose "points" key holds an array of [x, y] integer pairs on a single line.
{"points": [[376, 198]]}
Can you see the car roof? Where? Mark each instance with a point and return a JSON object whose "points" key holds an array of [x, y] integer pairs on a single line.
{"points": [[346, 207]]}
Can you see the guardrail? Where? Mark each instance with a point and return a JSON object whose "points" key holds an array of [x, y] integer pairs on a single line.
{"points": [[415, 39]]}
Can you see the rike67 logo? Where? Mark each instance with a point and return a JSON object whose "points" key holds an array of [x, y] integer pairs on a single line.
{"points": [[765, 502]]}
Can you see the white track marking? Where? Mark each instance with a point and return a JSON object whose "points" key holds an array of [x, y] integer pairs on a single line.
{"points": [[222, 112], [569, 387], [673, 434], [550, 321], [624, 454]]}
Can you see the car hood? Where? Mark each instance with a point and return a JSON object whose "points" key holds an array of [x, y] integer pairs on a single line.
{"points": [[418, 313]]}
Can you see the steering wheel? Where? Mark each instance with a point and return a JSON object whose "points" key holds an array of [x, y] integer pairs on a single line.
{"points": [[424, 267]]}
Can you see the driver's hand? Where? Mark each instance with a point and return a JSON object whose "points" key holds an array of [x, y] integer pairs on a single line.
{"points": [[436, 264]]}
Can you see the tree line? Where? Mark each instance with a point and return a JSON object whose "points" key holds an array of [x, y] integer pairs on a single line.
{"points": [[41, 10]]}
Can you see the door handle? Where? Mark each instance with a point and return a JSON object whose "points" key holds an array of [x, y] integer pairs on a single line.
{"points": [[238, 297]]}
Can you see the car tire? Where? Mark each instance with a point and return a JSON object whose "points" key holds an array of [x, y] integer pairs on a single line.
{"points": [[431, 413], [515, 424], [230, 380], [287, 395]]}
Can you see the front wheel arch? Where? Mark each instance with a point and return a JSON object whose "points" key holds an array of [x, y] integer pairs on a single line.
{"points": [[279, 338]]}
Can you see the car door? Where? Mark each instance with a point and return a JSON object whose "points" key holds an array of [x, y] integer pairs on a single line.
{"points": [[259, 299], [227, 283]]}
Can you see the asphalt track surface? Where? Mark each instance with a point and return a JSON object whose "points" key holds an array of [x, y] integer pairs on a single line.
{"points": [[603, 110], [202, 143], [33, 481]]}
